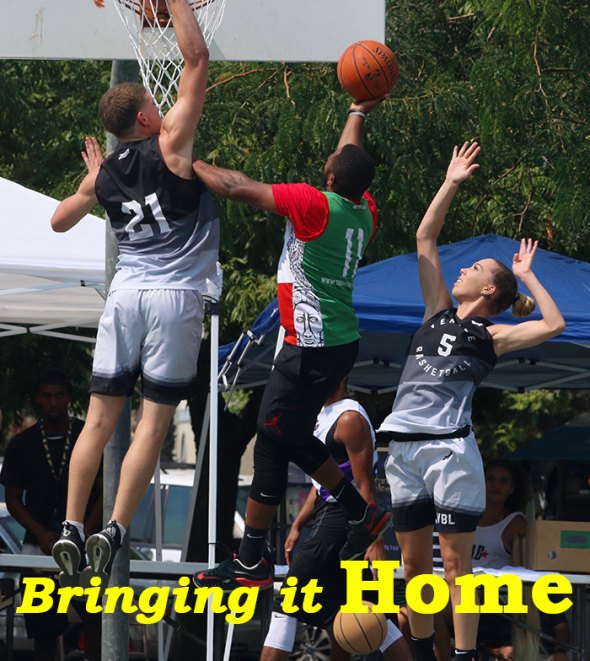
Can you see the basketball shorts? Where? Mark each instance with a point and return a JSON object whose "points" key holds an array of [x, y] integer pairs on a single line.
{"points": [[319, 559], [436, 482], [154, 334]]}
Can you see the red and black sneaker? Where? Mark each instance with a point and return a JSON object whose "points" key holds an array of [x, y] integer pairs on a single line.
{"points": [[231, 574], [361, 534]]}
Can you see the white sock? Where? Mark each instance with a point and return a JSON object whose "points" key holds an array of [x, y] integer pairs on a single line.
{"points": [[78, 526]]}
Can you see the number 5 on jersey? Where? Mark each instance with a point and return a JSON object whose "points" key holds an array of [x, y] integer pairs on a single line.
{"points": [[446, 344]]}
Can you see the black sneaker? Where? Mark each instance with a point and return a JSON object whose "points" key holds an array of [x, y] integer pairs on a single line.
{"points": [[231, 574], [101, 549], [69, 554], [361, 534]]}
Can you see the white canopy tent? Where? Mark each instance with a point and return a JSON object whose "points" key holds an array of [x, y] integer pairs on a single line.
{"points": [[48, 282]]}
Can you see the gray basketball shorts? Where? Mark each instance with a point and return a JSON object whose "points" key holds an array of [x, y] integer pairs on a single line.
{"points": [[154, 334], [436, 482]]}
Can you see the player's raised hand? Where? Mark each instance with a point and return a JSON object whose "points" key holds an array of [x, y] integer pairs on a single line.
{"points": [[93, 156], [522, 262], [463, 164]]}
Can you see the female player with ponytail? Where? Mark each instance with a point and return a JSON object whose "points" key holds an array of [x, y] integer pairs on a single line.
{"points": [[434, 467]]}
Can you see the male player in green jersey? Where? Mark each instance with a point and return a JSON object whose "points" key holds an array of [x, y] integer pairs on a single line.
{"points": [[326, 235]]}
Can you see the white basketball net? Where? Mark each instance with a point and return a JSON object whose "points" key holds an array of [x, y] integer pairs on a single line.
{"points": [[154, 41]]}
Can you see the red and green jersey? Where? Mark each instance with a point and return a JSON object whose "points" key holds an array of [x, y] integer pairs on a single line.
{"points": [[325, 238]]}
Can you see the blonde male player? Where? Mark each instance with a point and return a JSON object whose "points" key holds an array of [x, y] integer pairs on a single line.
{"points": [[168, 235]]}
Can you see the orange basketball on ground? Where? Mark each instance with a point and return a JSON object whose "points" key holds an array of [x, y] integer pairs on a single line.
{"points": [[367, 70], [360, 633]]}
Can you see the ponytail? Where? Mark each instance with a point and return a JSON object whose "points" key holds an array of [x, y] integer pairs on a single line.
{"points": [[523, 305]]}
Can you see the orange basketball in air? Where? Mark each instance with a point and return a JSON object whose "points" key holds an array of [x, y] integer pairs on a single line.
{"points": [[367, 70]]}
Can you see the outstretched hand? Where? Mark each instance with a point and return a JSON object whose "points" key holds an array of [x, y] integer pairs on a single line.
{"points": [[92, 158], [522, 263], [93, 155], [462, 165]]}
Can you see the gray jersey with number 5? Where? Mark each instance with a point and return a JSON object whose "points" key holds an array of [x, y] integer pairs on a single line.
{"points": [[447, 359], [167, 228]]}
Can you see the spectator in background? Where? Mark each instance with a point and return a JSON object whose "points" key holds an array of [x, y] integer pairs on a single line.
{"points": [[507, 493], [35, 475]]}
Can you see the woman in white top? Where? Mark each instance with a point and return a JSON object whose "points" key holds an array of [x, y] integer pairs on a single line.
{"points": [[506, 494]]}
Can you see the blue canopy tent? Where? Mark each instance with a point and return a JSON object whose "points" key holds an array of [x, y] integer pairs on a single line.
{"points": [[570, 442], [388, 302], [560, 460]]}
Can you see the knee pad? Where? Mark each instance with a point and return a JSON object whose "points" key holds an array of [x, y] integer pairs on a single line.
{"points": [[311, 456], [271, 469]]}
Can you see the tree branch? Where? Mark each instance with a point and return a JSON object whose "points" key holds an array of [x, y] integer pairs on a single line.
{"points": [[234, 77]]}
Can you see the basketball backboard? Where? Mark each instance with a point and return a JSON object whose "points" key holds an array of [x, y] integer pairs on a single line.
{"points": [[252, 30]]}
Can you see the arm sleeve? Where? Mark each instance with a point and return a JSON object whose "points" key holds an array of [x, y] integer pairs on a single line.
{"points": [[373, 209], [305, 206]]}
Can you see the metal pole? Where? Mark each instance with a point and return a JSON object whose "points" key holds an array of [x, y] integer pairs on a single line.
{"points": [[159, 544], [115, 627], [213, 457]]}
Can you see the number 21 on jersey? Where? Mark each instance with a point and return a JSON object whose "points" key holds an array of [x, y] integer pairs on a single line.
{"points": [[138, 230]]}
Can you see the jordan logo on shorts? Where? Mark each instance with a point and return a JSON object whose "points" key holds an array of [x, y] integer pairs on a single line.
{"points": [[274, 423]]}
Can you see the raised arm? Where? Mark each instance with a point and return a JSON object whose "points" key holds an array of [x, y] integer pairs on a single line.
{"points": [[180, 122], [434, 291], [528, 333], [236, 186], [70, 211], [352, 134]]}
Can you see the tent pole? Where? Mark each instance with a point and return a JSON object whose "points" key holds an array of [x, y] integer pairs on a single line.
{"points": [[213, 459], [198, 472], [191, 510], [159, 545]]}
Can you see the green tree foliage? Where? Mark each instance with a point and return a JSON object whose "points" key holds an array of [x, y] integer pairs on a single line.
{"points": [[512, 74], [47, 109], [503, 421]]}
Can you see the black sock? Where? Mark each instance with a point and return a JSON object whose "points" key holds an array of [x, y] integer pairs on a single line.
{"points": [[252, 546], [350, 500], [424, 648], [465, 655]]}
